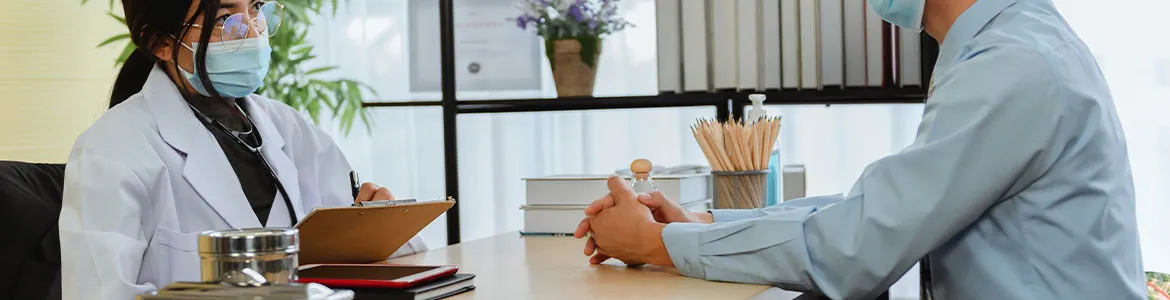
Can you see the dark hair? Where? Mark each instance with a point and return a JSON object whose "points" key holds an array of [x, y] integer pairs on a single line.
{"points": [[151, 22]]}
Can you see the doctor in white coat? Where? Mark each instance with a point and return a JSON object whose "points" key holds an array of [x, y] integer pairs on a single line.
{"points": [[165, 162]]}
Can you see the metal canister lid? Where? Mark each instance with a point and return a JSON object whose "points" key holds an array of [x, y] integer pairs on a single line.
{"points": [[249, 242]]}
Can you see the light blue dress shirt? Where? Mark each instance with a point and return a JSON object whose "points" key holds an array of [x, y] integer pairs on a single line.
{"points": [[1017, 185]]}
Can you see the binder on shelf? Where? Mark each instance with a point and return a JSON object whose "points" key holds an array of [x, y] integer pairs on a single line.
{"points": [[749, 39], [694, 41], [810, 46], [790, 43], [910, 58], [832, 44], [889, 54], [724, 45], [669, 45], [855, 51], [874, 61], [770, 46]]}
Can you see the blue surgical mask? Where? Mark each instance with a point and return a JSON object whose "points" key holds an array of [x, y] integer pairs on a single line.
{"points": [[904, 13], [236, 68]]}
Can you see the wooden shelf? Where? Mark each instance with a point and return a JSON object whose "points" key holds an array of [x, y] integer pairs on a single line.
{"points": [[832, 96]]}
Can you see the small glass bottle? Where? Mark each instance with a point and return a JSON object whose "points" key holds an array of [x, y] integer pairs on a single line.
{"points": [[641, 182]]}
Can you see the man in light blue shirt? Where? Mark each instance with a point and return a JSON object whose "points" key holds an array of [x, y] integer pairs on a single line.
{"points": [[1017, 185]]}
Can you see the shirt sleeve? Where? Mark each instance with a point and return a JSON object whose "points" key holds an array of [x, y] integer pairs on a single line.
{"points": [[987, 129]]}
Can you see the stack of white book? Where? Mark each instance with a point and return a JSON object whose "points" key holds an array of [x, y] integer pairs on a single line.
{"points": [[715, 45], [554, 205]]}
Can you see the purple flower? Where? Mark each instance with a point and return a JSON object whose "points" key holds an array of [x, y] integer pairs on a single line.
{"points": [[570, 18], [575, 12], [523, 20]]}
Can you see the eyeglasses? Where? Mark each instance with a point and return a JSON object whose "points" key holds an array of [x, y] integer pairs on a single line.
{"points": [[264, 17]]}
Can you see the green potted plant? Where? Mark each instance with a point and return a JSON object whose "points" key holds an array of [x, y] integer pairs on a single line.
{"points": [[573, 31], [287, 80]]}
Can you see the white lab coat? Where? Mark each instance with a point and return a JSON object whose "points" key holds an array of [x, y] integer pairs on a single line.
{"points": [[147, 177]]}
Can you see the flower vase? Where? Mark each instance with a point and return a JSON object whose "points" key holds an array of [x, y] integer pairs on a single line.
{"points": [[574, 65]]}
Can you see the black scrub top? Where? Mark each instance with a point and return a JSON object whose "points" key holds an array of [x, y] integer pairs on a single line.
{"points": [[259, 187]]}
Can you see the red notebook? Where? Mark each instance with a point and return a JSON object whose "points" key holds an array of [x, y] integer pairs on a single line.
{"points": [[372, 275]]}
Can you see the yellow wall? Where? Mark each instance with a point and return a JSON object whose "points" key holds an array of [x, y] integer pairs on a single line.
{"points": [[54, 82]]}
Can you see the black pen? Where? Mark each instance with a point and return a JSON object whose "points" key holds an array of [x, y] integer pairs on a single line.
{"points": [[355, 183]]}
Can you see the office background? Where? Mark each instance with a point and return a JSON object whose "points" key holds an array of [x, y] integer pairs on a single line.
{"points": [[55, 83]]}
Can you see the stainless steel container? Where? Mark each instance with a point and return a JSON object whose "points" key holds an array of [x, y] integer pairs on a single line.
{"points": [[249, 257]]}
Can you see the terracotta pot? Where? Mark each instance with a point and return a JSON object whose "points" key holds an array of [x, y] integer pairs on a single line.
{"points": [[573, 77]]}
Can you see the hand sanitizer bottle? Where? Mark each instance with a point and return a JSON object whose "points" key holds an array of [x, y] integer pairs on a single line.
{"points": [[641, 182]]}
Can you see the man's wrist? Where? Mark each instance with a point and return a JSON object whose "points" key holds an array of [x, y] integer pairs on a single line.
{"points": [[703, 217], [655, 249]]}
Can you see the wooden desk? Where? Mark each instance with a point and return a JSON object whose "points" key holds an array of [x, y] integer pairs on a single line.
{"points": [[509, 266]]}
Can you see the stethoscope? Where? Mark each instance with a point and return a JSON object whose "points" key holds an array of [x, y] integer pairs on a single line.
{"points": [[292, 217]]}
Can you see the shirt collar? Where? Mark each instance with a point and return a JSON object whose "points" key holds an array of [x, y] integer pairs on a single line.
{"points": [[970, 23]]}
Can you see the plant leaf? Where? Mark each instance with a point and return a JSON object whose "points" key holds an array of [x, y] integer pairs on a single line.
{"points": [[302, 50], [126, 51], [114, 39], [300, 37], [116, 17], [320, 70], [332, 103], [350, 111], [302, 59], [313, 107], [297, 11]]}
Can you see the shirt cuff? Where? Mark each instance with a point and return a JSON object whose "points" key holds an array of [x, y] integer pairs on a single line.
{"points": [[731, 215], [682, 245]]}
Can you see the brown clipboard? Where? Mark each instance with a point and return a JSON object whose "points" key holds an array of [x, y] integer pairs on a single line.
{"points": [[347, 235]]}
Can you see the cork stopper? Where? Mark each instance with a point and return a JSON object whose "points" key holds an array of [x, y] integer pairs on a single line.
{"points": [[641, 168]]}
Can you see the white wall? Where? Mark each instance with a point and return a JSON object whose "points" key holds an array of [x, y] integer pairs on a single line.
{"points": [[54, 82]]}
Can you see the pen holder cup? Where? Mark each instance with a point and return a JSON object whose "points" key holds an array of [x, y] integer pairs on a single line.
{"points": [[740, 190]]}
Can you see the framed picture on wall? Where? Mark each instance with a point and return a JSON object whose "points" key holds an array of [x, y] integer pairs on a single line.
{"points": [[491, 54]]}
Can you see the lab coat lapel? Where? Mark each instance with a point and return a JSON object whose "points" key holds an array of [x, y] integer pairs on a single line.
{"points": [[206, 167], [274, 152]]}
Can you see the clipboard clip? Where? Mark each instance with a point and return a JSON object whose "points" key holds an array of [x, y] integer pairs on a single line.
{"points": [[381, 203]]}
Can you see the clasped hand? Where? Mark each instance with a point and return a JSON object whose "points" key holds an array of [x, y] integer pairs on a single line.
{"points": [[628, 226]]}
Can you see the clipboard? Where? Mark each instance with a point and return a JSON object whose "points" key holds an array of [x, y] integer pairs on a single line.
{"points": [[358, 235]]}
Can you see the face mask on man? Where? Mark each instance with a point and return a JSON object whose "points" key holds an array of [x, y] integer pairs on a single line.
{"points": [[904, 13], [236, 68]]}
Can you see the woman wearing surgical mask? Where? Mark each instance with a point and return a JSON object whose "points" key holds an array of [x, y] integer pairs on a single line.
{"points": [[186, 147]]}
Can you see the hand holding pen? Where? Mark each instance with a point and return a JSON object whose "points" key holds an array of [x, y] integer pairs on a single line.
{"points": [[368, 191]]}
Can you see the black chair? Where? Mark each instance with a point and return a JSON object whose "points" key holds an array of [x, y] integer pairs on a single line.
{"points": [[30, 251]]}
